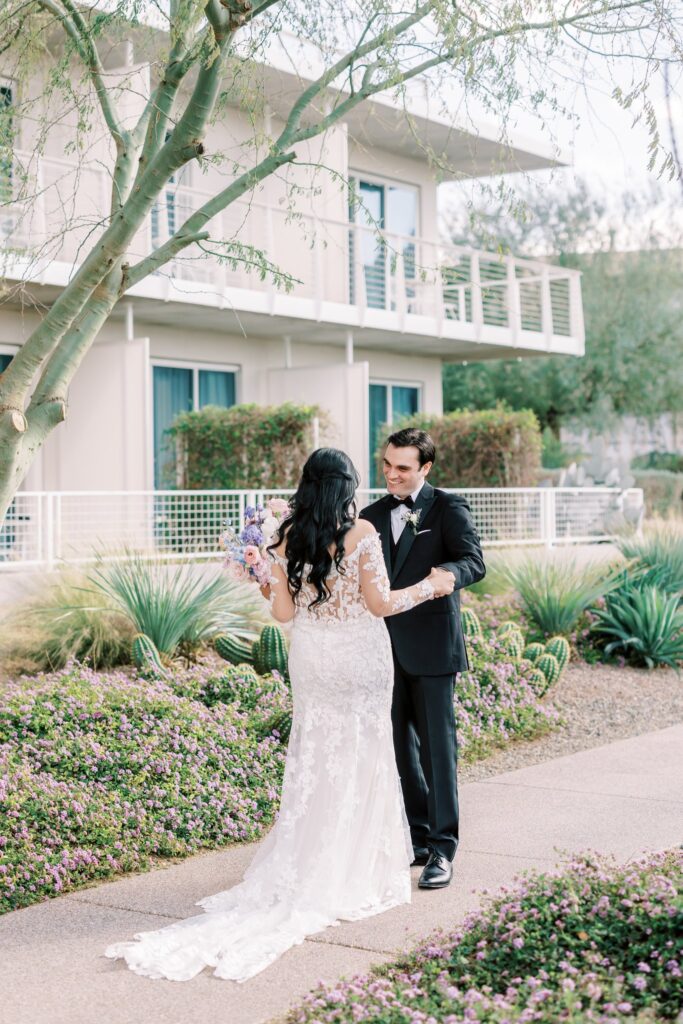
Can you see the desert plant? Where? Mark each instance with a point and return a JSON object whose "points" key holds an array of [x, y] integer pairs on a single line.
{"points": [[537, 681], [549, 666], [642, 623], [270, 651], [232, 649], [559, 647], [658, 553], [555, 592], [175, 606], [64, 622], [512, 641], [533, 651], [145, 655], [470, 622]]}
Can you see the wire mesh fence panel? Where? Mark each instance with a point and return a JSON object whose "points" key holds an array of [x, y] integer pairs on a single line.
{"points": [[42, 528]]}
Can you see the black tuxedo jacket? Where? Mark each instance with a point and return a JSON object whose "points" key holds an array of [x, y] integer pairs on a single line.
{"points": [[428, 640]]}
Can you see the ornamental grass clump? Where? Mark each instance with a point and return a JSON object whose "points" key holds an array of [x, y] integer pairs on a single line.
{"points": [[595, 944], [555, 592], [642, 624], [657, 554], [495, 701], [100, 773]]}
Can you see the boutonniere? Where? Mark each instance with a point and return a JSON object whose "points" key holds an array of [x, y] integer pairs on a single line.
{"points": [[412, 519]]}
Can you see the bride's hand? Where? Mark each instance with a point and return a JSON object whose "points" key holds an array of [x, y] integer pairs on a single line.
{"points": [[443, 582]]}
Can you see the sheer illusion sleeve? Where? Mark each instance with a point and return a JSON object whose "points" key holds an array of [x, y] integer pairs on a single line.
{"points": [[381, 600], [280, 600]]}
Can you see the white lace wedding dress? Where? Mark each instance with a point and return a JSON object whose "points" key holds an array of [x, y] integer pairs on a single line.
{"points": [[340, 848]]}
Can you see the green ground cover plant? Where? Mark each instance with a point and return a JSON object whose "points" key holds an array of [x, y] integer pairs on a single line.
{"points": [[596, 943]]}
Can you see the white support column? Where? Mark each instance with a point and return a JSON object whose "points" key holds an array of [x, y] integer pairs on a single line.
{"points": [[130, 322], [477, 305], [514, 304], [349, 347], [546, 308], [287, 339]]}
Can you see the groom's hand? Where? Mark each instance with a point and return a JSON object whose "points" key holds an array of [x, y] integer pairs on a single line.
{"points": [[449, 572], [442, 580]]}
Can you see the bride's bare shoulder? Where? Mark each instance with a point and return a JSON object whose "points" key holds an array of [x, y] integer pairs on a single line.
{"points": [[361, 528]]}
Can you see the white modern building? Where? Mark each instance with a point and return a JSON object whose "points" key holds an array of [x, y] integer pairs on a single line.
{"points": [[364, 330]]}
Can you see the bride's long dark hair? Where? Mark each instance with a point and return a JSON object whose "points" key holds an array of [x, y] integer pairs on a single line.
{"points": [[322, 512]]}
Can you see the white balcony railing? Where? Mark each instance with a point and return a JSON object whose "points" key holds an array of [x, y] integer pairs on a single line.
{"points": [[329, 261], [44, 528]]}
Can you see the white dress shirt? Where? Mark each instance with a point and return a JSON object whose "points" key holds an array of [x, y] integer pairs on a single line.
{"points": [[397, 521]]}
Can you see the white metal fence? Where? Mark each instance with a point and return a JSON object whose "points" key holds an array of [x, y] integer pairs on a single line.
{"points": [[43, 528]]}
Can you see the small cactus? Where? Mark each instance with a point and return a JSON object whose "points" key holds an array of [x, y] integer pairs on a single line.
{"points": [[559, 646], [549, 666], [533, 652], [145, 656], [537, 682], [507, 627], [230, 648], [269, 652], [471, 626], [280, 721], [512, 643]]}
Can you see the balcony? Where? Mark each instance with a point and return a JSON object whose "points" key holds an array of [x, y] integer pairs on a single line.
{"points": [[392, 291]]}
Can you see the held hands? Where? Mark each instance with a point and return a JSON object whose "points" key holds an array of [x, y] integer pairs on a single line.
{"points": [[443, 582]]}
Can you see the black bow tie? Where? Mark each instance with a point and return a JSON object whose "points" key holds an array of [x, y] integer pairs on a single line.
{"points": [[408, 502]]}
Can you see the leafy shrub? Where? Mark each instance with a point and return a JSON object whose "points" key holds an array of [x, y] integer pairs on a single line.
{"points": [[671, 462], [662, 491], [595, 943], [555, 592], [554, 453], [174, 605], [100, 773], [245, 446], [65, 620], [658, 553], [643, 624], [492, 448]]}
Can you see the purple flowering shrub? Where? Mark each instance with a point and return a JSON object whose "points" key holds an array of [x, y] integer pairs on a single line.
{"points": [[494, 701], [596, 943], [101, 772]]}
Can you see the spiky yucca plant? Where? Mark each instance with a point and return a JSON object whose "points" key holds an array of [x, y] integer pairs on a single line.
{"points": [[555, 592]]}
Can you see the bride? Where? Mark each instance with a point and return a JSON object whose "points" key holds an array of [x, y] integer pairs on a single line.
{"points": [[340, 848]]}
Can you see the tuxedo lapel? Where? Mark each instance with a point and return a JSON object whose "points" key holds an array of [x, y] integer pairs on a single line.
{"points": [[384, 522], [422, 504]]}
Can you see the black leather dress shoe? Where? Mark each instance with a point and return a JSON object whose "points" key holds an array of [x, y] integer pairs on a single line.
{"points": [[437, 873], [420, 855]]}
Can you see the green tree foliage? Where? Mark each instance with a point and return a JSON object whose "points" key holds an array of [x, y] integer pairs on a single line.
{"points": [[632, 307]]}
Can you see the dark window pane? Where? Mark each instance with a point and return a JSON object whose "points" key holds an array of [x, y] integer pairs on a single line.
{"points": [[378, 416], [172, 395], [216, 387], [403, 401]]}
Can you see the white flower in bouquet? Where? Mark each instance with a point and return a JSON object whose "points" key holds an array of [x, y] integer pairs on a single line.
{"points": [[268, 528]]}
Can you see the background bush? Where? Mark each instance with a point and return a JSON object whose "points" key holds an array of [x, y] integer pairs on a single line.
{"points": [[662, 491], [245, 446], [672, 462], [492, 448]]}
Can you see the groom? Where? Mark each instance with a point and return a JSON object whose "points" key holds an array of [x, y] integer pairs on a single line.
{"points": [[420, 527]]}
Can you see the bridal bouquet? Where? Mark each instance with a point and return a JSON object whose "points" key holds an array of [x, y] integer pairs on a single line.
{"points": [[246, 556]]}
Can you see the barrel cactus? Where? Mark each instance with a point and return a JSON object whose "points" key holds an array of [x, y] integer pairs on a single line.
{"points": [[280, 721], [232, 649], [512, 643], [471, 626], [507, 627], [559, 646], [269, 652], [533, 652], [146, 657], [550, 667], [537, 682]]}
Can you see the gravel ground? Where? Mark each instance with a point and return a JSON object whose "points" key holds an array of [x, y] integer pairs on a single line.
{"points": [[600, 704]]}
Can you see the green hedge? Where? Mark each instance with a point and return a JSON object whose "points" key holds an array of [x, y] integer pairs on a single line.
{"points": [[245, 445], [491, 448]]}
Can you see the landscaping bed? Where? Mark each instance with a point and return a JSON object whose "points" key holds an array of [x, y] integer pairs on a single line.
{"points": [[594, 943]]}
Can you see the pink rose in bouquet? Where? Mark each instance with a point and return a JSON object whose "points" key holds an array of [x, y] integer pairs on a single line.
{"points": [[246, 555]]}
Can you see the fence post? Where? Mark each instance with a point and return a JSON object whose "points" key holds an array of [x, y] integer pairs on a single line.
{"points": [[49, 530], [548, 516]]}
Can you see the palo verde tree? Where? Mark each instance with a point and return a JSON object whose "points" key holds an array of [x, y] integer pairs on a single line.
{"points": [[201, 55]]}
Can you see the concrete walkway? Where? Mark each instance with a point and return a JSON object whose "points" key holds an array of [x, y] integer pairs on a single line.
{"points": [[624, 798]]}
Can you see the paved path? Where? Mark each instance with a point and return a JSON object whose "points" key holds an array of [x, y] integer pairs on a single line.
{"points": [[624, 798]]}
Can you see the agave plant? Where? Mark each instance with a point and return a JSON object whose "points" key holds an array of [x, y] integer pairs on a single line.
{"points": [[642, 623], [658, 555], [556, 592], [176, 606]]}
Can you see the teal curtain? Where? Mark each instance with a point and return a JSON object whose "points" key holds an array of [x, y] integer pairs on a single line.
{"points": [[378, 416], [4, 362], [216, 387], [403, 401], [172, 395]]}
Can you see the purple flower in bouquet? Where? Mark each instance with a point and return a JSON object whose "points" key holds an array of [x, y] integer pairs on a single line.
{"points": [[251, 535]]}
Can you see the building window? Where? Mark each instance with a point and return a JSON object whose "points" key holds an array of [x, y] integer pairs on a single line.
{"points": [[6, 140], [389, 403], [5, 360], [178, 389], [393, 210]]}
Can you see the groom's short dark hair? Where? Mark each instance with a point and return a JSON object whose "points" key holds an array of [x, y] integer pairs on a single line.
{"points": [[420, 439]]}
